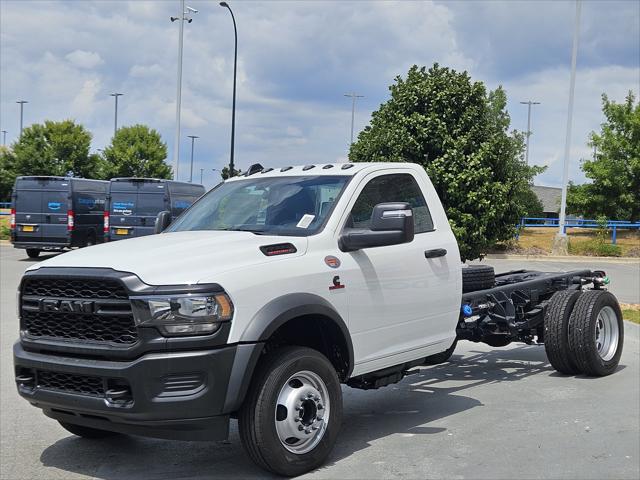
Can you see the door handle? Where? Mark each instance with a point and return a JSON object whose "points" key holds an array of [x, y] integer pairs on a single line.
{"points": [[436, 252]]}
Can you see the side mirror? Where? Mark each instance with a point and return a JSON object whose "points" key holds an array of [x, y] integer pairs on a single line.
{"points": [[391, 224], [162, 221]]}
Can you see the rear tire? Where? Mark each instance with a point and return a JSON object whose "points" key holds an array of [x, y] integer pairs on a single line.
{"points": [[441, 357], [33, 252], [477, 277], [273, 415], [556, 325], [596, 333], [86, 432]]}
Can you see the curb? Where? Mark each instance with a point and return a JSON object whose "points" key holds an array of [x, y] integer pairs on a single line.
{"points": [[552, 258]]}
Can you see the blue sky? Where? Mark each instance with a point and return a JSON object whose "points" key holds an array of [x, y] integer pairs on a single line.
{"points": [[297, 59]]}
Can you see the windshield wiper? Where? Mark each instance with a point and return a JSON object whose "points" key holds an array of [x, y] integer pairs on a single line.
{"points": [[243, 228]]}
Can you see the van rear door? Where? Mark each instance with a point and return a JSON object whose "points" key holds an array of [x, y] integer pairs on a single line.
{"points": [[133, 208], [41, 210]]}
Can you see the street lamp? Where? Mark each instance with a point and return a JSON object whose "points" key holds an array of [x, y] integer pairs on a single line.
{"points": [[529, 103], [4, 137], [21, 102], [353, 109], [115, 121], [193, 139], [201, 172], [184, 17], [233, 107], [560, 244]]}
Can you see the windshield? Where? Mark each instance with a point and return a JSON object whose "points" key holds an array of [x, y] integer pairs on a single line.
{"points": [[295, 206]]}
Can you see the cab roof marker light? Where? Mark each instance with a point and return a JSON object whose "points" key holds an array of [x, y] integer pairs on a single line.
{"points": [[308, 167], [327, 167], [285, 169], [347, 166]]}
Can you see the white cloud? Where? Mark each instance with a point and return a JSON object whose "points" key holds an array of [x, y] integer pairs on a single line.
{"points": [[84, 59]]}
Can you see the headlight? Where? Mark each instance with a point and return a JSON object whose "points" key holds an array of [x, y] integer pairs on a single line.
{"points": [[177, 315]]}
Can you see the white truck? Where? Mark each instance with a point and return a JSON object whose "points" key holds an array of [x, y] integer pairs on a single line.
{"points": [[270, 292]]}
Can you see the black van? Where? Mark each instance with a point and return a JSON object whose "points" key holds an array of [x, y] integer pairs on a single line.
{"points": [[133, 204], [55, 213]]}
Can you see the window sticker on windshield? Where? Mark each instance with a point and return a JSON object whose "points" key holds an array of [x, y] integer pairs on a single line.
{"points": [[54, 205], [305, 221], [123, 208]]}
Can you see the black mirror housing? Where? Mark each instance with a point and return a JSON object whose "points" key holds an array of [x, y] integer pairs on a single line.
{"points": [[163, 220], [391, 224]]}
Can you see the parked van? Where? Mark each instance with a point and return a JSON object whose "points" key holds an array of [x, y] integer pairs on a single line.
{"points": [[133, 204], [56, 213]]}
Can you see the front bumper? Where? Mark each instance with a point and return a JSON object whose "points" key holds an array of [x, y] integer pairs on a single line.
{"points": [[179, 395]]}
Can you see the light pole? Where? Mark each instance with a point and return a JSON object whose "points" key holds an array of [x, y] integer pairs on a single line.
{"points": [[21, 102], [193, 139], [184, 17], [4, 137], [560, 242], [201, 172], [353, 109], [233, 105], [115, 121], [529, 103]]}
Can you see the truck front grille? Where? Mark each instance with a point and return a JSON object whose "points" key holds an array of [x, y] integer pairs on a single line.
{"points": [[85, 310], [66, 382]]}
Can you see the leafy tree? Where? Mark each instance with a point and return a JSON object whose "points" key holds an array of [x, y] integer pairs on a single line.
{"points": [[225, 173], [7, 173], [614, 190], [532, 205], [55, 148], [458, 131], [136, 151]]}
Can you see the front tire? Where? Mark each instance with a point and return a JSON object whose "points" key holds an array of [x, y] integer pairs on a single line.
{"points": [[290, 419], [596, 333], [86, 432], [33, 252]]}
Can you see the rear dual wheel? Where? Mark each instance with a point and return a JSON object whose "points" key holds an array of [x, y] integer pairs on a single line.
{"points": [[584, 332]]}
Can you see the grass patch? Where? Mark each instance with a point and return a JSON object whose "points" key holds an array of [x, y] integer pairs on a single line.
{"points": [[631, 312], [4, 227], [541, 239], [594, 247]]}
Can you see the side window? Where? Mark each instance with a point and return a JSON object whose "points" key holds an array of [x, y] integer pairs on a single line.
{"points": [[400, 187]]}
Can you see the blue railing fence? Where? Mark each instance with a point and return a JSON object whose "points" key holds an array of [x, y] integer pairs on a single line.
{"points": [[612, 225]]}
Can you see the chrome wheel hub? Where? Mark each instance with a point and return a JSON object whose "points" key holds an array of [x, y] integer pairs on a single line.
{"points": [[302, 412], [606, 333]]}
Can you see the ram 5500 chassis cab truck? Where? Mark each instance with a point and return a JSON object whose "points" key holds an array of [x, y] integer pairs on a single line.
{"points": [[270, 292]]}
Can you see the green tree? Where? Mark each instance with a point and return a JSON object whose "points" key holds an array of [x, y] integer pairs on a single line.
{"points": [[7, 173], [55, 148], [458, 131], [225, 173], [614, 190], [532, 205], [136, 151]]}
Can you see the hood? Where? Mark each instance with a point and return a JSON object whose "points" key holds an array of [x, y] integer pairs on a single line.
{"points": [[177, 257]]}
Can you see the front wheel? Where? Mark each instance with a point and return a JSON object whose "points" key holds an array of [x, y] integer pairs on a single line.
{"points": [[290, 419]]}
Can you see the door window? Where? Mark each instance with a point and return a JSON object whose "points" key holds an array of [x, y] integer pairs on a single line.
{"points": [[399, 187]]}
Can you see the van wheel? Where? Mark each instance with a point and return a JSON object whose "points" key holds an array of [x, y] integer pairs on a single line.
{"points": [[86, 432], [290, 419], [596, 333], [91, 239], [33, 252], [556, 330]]}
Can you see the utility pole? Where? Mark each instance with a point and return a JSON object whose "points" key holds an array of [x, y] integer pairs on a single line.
{"points": [[560, 242], [115, 121], [184, 17], [201, 172], [529, 132], [193, 139], [4, 137], [233, 106], [353, 110], [21, 102]]}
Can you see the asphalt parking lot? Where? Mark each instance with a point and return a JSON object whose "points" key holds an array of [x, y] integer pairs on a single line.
{"points": [[490, 413]]}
